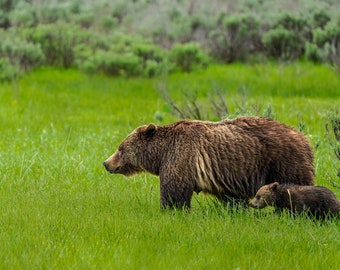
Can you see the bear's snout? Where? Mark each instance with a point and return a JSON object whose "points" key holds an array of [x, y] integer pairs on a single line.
{"points": [[256, 203], [252, 204], [106, 165], [114, 163], [110, 168]]}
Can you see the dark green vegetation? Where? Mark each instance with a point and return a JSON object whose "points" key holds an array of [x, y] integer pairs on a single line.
{"points": [[60, 209], [149, 38]]}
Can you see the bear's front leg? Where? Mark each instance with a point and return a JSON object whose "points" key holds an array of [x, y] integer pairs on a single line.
{"points": [[175, 194]]}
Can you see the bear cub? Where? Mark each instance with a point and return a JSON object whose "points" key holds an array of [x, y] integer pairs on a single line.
{"points": [[316, 201]]}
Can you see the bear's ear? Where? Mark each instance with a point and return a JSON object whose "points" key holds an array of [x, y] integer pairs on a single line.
{"points": [[274, 186], [150, 130]]}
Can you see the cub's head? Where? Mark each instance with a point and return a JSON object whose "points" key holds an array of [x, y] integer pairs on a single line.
{"points": [[130, 156], [265, 196]]}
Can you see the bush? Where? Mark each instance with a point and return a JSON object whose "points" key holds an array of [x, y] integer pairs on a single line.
{"points": [[153, 59], [20, 53], [320, 37], [54, 13], [287, 38], [235, 37], [24, 15], [188, 57], [320, 19], [148, 52], [7, 70], [121, 56], [114, 64], [292, 23], [84, 19], [327, 41], [57, 42], [107, 23], [313, 53], [333, 36], [4, 20], [280, 43], [152, 68]]}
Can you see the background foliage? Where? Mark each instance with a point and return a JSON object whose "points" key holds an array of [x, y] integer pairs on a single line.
{"points": [[142, 37]]}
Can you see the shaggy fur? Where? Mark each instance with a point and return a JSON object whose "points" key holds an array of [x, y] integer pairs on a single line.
{"points": [[314, 200], [230, 159]]}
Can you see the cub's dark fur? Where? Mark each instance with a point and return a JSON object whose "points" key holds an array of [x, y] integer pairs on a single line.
{"points": [[317, 201]]}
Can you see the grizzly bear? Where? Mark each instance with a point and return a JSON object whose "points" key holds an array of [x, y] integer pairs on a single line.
{"points": [[316, 201], [230, 159]]}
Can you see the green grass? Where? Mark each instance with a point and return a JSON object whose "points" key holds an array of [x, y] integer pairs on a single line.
{"points": [[59, 208]]}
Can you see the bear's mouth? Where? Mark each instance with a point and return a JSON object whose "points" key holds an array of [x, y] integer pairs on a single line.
{"points": [[115, 170], [126, 170], [251, 204], [109, 168]]}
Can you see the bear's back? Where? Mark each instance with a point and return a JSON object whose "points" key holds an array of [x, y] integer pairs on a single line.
{"points": [[317, 199]]}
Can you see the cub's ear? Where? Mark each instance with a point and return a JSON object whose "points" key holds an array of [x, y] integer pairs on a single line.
{"points": [[150, 130], [274, 186]]}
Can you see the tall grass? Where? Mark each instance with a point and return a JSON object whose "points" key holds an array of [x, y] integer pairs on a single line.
{"points": [[59, 208]]}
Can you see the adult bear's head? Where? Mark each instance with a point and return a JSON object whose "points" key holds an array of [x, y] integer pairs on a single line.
{"points": [[133, 154]]}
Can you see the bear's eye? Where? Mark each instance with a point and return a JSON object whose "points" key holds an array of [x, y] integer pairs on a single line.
{"points": [[258, 197]]}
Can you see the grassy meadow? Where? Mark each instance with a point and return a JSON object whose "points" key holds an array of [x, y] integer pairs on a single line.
{"points": [[60, 209]]}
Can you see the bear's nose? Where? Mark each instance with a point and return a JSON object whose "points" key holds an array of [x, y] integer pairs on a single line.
{"points": [[105, 164]]}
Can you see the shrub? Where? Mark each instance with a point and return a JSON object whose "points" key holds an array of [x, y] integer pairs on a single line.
{"points": [[24, 15], [107, 23], [291, 22], [20, 53], [117, 64], [313, 53], [7, 70], [4, 20], [153, 59], [333, 35], [328, 41], [320, 19], [152, 68], [57, 42], [120, 55], [287, 38], [235, 37], [120, 11], [53, 13], [84, 19], [188, 57], [320, 37], [148, 52], [280, 43]]}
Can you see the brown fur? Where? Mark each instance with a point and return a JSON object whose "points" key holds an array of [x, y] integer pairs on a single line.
{"points": [[230, 159], [315, 200]]}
